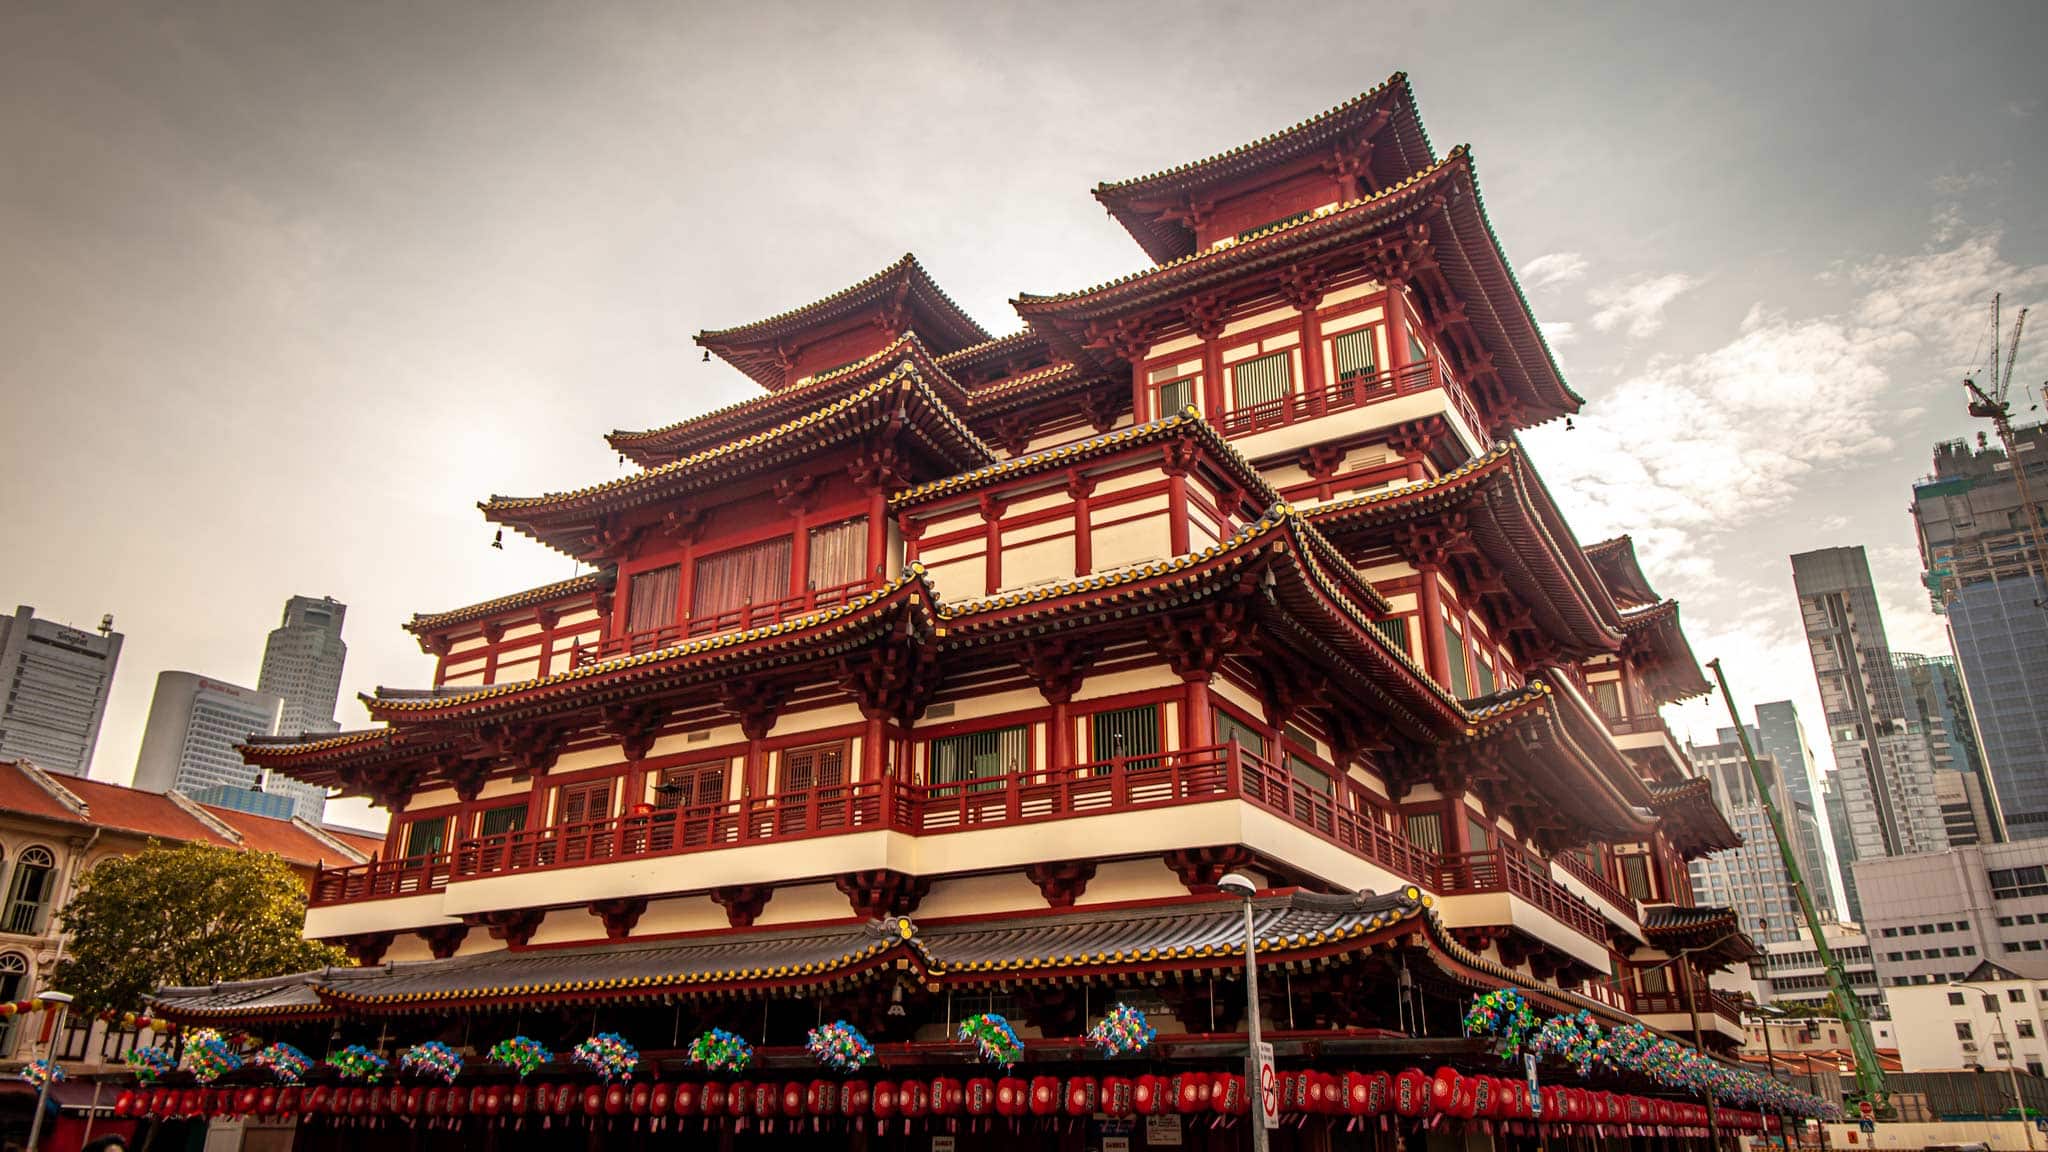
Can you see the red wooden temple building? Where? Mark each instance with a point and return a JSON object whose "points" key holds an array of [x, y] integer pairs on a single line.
{"points": [[949, 674]]}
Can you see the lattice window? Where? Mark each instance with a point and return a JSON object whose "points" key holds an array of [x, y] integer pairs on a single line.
{"points": [[1127, 732], [978, 757], [818, 766], [1356, 353], [695, 785], [1262, 380]]}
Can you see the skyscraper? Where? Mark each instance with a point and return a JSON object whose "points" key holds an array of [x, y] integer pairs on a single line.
{"points": [[188, 745], [302, 663], [1885, 772], [1837, 810], [1780, 736], [1977, 548], [1938, 709], [1750, 879], [54, 681]]}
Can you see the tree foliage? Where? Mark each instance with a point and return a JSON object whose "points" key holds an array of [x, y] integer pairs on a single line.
{"points": [[183, 914]]}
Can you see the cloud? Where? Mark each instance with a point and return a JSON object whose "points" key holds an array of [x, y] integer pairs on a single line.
{"points": [[1556, 332], [1637, 306], [2022, 109], [1691, 449], [1553, 268]]}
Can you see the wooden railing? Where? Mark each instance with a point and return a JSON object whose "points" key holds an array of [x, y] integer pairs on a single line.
{"points": [[1596, 880], [407, 876], [1516, 872], [1356, 391], [1276, 790], [1125, 784], [1638, 725], [744, 616], [826, 811], [1711, 1003]]}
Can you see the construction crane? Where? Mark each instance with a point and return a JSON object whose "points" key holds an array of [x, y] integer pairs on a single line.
{"points": [[1992, 405], [1869, 1073]]}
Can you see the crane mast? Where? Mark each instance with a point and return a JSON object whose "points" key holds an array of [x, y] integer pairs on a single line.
{"points": [[1869, 1073], [1995, 407]]}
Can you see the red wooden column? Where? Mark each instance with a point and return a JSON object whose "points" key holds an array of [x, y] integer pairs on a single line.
{"points": [[1058, 668], [1180, 458], [1436, 655], [1205, 318], [1079, 489], [992, 559], [1397, 329], [1303, 287]]}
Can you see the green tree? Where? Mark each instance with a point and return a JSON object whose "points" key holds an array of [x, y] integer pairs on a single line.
{"points": [[183, 915]]}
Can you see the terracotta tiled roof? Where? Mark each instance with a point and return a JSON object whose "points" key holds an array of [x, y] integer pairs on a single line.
{"points": [[109, 806], [283, 837], [1616, 562], [366, 842]]}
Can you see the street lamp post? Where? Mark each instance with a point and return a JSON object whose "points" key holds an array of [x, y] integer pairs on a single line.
{"points": [[1692, 1006], [2011, 1065], [1767, 1012], [1238, 885], [63, 1001]]}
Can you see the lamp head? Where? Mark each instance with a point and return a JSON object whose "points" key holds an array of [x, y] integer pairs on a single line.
{"points": [[54, 997], [1237, 884]]}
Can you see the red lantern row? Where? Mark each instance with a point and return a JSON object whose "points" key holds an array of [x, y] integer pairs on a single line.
{"points": [[1411, 1093]]}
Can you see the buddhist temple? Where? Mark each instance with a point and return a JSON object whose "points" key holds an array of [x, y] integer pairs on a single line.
{"points": [[922, 701]]}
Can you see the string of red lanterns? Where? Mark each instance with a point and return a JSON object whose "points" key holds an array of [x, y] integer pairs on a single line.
{"points": [[1411, 1096]]}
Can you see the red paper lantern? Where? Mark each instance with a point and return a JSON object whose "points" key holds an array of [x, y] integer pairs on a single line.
{"points": [[822, 1098], [1443, 1090], [1365, 1093], [639, 1097], [616, 1098], [854, 1096], [884, 1100], [981, 1096], [947, 1096], [1293, 1091], [913, 1099], [739, 1099], [567, 1099], [1191, 1092], [358, 1101], [1227, 1095], [124, 1104], [1148, 1096], [1411, 1092], [456, 1103], [1013, 1097], [593, 1100], [792, 1095], [660, 1097], [767, 1101], [1045, 1095], [687, 1099], [1084, 1095], [1116, 1096], [317, 1100], [430, 1102]]}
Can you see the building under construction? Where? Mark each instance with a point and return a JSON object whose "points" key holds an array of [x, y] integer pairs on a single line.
{"points": [[1981, 571]]}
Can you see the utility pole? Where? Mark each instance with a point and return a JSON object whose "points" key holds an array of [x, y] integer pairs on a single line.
{"points": [[1869, 1073]]}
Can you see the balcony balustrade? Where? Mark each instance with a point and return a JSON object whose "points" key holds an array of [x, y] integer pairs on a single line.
{"points": [[1124, 784], [1711, 1003], [750, 615], [1356, 391]]}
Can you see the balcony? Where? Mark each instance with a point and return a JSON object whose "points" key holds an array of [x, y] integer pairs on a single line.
{"points": [[1720, 1017], [1648, 737], [1207, 777], [743, 617], [1513, 872], [1357, 391]]}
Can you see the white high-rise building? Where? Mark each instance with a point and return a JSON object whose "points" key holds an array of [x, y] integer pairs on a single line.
{"points": [[188, 746], [302, 664], [54, 681], [1882, 767]]}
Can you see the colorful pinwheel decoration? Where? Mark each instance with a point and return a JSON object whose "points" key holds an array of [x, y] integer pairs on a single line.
{"points": [[721, 1051], [432, 1059], [151, 1064], [840, 1047], [1123, 1032], [1502, 1013], [610, 1056], [993, 1038], [41, 1072], [208, 1056], [356, 1062], [522, 1054], [283, 1061]]}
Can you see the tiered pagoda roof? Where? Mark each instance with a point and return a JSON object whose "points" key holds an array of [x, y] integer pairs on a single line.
{"points": [[1711, 934], [1512, 526], [1693, 823], [1441, 203], [899, 402], [903, 297], [1379, 129], [1659, 644], [1616, 562], [1545, 752]]}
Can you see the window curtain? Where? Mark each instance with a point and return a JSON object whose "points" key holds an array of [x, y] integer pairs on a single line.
{"points": [[728, 581], [839, 554], [651, 601]]}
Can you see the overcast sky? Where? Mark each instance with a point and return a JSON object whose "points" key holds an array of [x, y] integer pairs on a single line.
{"points": [[285, 289]]}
